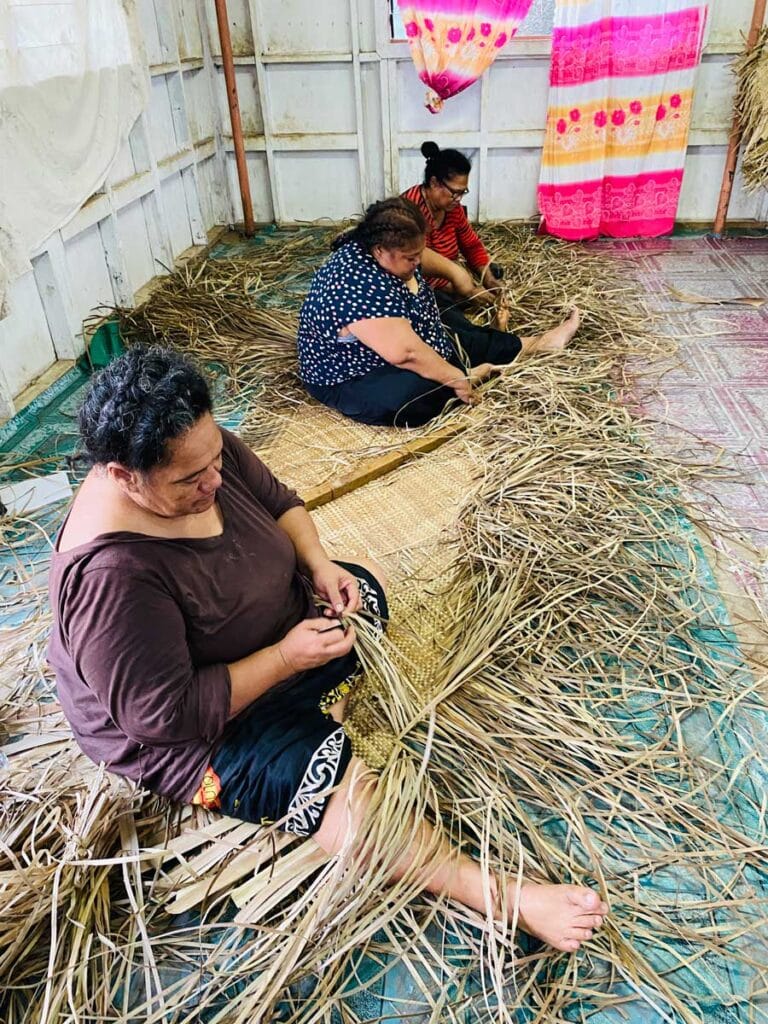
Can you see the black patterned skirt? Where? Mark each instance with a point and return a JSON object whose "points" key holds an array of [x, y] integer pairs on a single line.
{"points": [[279, 758]]}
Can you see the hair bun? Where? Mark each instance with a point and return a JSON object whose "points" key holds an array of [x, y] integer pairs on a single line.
{"points": [[430, 150]]}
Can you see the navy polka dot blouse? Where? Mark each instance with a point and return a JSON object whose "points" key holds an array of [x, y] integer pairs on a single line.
{"points": [[352, 286]]}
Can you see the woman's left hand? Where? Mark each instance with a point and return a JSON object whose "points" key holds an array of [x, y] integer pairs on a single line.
{"points": [[338, 587]]}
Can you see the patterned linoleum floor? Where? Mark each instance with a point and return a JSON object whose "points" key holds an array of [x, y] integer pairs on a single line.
{"points": [[717, 387]]}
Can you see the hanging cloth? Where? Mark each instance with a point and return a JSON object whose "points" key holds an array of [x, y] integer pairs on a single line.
{"points": [[621, 91], [454, 41], [73, 80]]}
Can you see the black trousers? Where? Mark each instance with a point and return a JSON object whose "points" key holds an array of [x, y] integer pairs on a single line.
{"points": [[389, 396]]}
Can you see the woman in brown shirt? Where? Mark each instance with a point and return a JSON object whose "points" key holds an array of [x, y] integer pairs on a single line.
{"points": [[190, 653]]}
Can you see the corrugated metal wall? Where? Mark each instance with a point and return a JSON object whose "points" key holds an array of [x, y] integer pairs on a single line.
{"points": [[333, 117]]}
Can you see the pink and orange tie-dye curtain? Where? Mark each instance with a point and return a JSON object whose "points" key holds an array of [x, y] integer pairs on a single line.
{"points": [[621, 91], [454, 41]]}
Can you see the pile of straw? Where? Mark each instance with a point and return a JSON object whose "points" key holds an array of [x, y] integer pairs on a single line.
{"points": [[569, 700], [751, 70]]}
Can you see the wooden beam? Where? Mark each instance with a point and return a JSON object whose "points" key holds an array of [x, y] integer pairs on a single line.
{"points": [[222, 19], [734, 139]]}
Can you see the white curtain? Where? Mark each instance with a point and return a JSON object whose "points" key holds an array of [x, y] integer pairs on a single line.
{"points": [[73, 80]]}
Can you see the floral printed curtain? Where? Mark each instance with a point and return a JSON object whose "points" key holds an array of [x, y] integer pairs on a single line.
{"points": [[621, 92], [454, 41]]}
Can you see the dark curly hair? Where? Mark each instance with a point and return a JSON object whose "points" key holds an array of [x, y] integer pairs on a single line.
{"points": [[443, 163], [391, 223], [138, 403]]}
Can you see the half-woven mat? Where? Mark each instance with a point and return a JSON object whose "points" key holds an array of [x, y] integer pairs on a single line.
{"points": [[407, 523]]}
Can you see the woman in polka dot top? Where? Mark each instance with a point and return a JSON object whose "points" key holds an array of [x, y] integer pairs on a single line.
{"points": [[371, 343]]}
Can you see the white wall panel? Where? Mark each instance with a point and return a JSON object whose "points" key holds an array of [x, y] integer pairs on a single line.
{"points": [[25, 342], [713, 98], [366, 18], [511, 183], [248, 98], [306, 26], [123, 167], [517, 94], [163, 135], [200, 106], [239, 26], [261, 193], [728, 24], [373, 116], [322, 186], [215, 192], [176, 213], [150, 32], [189, 32], [307, 98], [138, 253], [89, 278], [701, 187]]}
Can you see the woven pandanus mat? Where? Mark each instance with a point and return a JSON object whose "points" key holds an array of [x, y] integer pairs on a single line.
{"points": [[314, 445], [323, 454], [391, 518], [405, 522]]}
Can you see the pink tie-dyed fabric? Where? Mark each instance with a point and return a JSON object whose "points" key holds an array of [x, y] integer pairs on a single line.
{"points": [[621, 92], [454, 41]]}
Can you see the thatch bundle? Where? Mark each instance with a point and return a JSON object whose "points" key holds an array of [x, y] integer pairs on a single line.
{"points": [[561, 692], [751, 70]]}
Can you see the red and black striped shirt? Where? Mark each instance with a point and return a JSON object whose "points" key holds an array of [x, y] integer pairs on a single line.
{"points": [[455, 235]]}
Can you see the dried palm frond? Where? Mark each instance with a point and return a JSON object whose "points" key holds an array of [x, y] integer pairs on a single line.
{"points": [[751, 70]]}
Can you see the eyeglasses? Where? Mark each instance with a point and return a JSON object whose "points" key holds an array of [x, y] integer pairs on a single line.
{"points": [[457, 193]]}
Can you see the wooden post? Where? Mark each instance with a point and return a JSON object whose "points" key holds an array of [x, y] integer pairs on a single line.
{"points": [[734, 139], [227, 59]]}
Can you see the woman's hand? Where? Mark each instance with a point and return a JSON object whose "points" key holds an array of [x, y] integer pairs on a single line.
{"points": [[462, 387], [484, 371], [489, 280], [337, 586], [315, 642]]}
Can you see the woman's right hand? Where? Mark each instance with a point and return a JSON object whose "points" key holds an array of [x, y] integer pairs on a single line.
{"points": [[462, 387], [315, 642]]}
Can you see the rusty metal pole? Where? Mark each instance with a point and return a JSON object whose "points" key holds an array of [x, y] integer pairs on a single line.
{"points": [[734, 139], [227, 59]]}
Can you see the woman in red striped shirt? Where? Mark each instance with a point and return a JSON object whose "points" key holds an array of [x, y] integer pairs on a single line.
{"points": [[449, 234]]}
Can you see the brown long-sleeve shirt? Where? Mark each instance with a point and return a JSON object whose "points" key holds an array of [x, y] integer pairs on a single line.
{"points": [[144, 628]]}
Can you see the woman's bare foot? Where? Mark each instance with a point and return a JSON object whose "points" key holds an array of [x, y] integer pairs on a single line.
{"points": [[563, 916], [501, 316], [556, 339]]}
